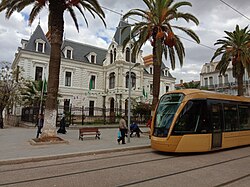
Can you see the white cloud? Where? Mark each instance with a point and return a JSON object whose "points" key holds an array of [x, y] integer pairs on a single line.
{"points": [[215, 17]]}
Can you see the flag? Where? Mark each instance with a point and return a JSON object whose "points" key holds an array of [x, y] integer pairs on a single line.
{"points": [[143, 92], [90, 85], [44, 86]]}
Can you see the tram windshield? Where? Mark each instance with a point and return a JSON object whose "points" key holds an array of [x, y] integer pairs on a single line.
{"points": [[165, 112]]}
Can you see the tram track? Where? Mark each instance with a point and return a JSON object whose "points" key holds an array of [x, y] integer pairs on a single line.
{"points": [[183, 171], [85, 171], [35, 179], [74, 162], [233, 181]]}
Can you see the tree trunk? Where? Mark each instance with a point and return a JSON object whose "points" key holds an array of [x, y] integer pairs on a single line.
{"points": [[56, 27], [240, 84], [1, 118], [157, 60], [240, 74]]}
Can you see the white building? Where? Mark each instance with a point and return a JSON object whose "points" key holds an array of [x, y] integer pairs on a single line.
{"points": [[106, 69], [211, 79]]}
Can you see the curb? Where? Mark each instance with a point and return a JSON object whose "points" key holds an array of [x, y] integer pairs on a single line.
{"points": [[69, 155]]}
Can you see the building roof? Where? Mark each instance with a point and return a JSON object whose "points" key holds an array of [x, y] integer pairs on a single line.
{"points": [[122, 32], [38, 34], [80, 51]]}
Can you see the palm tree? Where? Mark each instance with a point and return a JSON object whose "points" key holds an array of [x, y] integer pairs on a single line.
{"points": [[56, 28], [235, 48], [31, 94], [156, 26]]}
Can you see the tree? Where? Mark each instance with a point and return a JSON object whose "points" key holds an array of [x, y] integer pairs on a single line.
{"points": [[10, 88], [192, 84], [56, 28], [156, 26], [236, 49], [34, 96]]}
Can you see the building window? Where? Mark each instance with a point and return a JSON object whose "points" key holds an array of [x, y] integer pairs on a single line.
{"points": [[166, 72], [67, 78], [92, 59], [91, 108], [92, 82], [167, 88], [111, 57], [226, 79], [69, 53], [208, 69], [206, 81], [151, 89], [39, 73], [114, 54], [128, 54], [220, 80], [151, 70], [111, 80], [40, 45], [133, 80], [66, 105], [211, 81]]}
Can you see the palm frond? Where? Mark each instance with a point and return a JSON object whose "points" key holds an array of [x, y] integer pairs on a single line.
{"points": [[189, 32], [172, 57], [73, 15], [34, 12]]}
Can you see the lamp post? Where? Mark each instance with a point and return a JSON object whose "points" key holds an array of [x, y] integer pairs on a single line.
{"points": [[129, 97]]}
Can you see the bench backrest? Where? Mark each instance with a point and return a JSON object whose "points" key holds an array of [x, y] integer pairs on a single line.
{"points": [[89, 129]]}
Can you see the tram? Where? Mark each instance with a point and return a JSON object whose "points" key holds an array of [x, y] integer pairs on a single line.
{"points": [[193, 120]]}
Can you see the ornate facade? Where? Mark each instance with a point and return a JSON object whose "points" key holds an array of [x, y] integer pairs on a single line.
{"points": [[91, 76]]}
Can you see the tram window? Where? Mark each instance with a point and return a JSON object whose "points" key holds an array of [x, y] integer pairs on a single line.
{"points": [[216, 110], [192, 119], [244, 116], [165, 112], [231, 117]]}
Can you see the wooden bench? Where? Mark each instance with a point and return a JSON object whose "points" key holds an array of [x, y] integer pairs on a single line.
{"points": [[86, 131]]}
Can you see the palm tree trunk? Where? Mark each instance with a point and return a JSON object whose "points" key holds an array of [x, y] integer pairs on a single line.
{"points": [[56, 27], [1, 117], [240, 74], [157, 60], [240, 84]]}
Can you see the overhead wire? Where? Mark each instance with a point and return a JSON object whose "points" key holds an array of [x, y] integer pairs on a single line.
{"points": [[235, 9], [113, 11]]}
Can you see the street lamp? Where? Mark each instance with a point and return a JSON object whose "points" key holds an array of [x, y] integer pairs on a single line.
{"points": [[129, 97]]}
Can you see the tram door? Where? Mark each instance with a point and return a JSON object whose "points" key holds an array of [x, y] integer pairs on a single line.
{"points": [[216, 123]]}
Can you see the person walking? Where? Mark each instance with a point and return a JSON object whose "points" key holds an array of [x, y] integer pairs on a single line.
{"points": [[39, 125], [123, 129], [62, 128]]}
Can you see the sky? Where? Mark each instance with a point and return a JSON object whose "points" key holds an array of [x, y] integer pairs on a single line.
{"points": [[214, 16]]}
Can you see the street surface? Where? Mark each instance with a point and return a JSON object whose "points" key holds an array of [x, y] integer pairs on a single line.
{"points": [[144, 167]]}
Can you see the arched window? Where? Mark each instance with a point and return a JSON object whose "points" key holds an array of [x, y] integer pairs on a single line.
{"points": [[114, 54], [111, 80], [128, 54], [111, 57], [133, 79]]}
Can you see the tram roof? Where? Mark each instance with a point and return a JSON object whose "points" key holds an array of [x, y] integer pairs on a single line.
{"points": [[196, 93]]}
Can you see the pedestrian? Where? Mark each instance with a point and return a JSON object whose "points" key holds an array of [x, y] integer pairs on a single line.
{"points": [[123, 129], [62, 128], [135, 128], [39, 124]]}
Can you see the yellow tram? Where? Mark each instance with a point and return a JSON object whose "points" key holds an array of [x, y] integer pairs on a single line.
{"points": [[193, 120]]}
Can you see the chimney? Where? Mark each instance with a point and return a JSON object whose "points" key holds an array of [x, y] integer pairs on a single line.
{"points": [[181, 81]]}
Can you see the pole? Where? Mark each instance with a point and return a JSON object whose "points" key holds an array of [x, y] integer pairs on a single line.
{"points": [[129, 90], [41, 102], [129, 101], [129, 97]]}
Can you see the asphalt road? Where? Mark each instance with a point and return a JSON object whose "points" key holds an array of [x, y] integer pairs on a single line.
{"points": [[143, 167]]}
